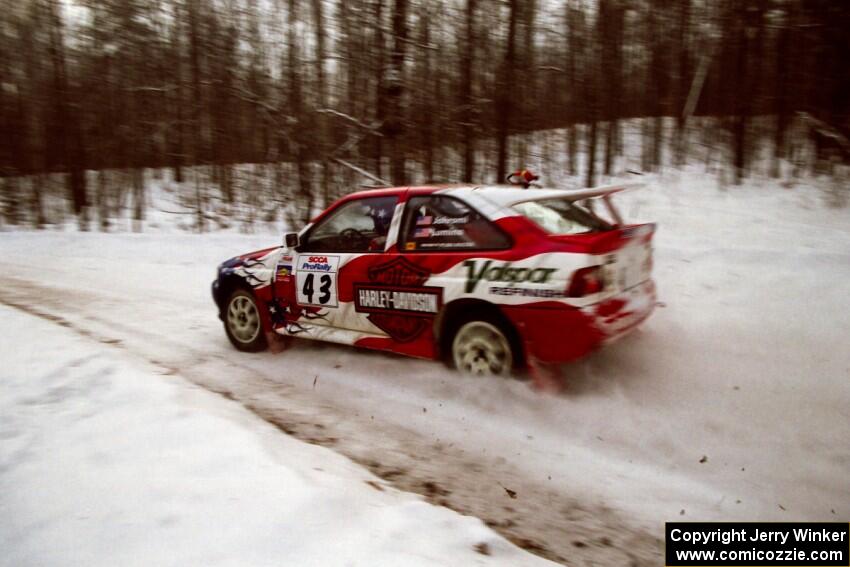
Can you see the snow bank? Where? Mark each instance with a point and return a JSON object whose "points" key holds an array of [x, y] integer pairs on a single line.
{"points": [[103, 462]]}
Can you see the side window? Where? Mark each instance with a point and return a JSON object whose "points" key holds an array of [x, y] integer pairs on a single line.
{"points": [[440, 222], [356, 226]]}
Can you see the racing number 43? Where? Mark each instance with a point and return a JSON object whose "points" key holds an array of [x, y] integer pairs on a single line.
{"points": [[325, 283], [318, 289], [316, 280]]}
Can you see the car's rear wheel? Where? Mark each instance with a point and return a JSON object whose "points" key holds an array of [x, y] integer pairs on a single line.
{"points": [[482, 348], [242, 322]]}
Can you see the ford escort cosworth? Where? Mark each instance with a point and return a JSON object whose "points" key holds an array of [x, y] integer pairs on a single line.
{"points": [[488, 278]]}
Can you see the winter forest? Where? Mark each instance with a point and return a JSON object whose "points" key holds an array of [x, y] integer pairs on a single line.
{"points": [[273, 108]]}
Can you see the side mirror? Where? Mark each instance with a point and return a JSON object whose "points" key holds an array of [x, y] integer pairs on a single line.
{"points": [[291, 239]]}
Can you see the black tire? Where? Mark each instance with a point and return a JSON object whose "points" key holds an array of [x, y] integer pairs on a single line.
{"points": [[241, 316], [501, 357]]}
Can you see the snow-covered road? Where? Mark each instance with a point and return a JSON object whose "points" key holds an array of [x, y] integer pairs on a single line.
{"points": [[106, 462], [731, 403]]}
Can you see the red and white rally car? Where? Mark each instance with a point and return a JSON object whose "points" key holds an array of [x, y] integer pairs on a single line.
{"points": [[489, 278]]}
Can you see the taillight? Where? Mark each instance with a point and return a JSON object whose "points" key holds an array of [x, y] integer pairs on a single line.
{"points": [[586, 281]]}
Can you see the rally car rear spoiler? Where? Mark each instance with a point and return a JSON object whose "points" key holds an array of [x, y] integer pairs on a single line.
{"points": [[604, 192], [579, 194]]}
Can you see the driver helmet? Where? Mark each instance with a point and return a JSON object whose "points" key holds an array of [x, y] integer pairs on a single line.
{"points": [[381, 217]]}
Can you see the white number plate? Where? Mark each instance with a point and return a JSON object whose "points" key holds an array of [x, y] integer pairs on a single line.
{"points": [[316, 280]]}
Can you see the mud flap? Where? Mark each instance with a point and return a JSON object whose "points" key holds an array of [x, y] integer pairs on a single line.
{"points": [[545, 376], [277, 343]]}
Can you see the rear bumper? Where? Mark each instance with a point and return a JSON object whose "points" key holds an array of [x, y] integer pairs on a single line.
{"points": [[554, 332], [617, 316]]}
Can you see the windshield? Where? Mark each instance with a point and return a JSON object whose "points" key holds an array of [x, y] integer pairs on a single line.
{"points": [[560, 216]]}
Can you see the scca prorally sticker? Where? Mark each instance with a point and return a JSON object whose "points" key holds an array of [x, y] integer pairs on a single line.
{"points": [[316, 280], [318, 263]]}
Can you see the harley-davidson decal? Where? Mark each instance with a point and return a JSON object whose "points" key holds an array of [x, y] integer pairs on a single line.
{"points": [[397, 300], [410, 301]]}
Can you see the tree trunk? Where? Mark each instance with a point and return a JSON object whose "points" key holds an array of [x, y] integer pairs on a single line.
{"points": [[11, 197], [741, 98], [138, 174], [66, 126], [467, 62], [592, 92], [683, 81], [610, 33], [527, 85], [36, 202], [297, 134], [590, 180], [574, 21], [101, 200], [428, 107], [394, 128], [178, 147], [198, 146], [321, 120], [378, 71], [658, 78], [504, 96], [781, 91]]}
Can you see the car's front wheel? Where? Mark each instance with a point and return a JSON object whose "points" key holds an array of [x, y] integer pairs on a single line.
{"points": [[242, 322], [482, 348]]}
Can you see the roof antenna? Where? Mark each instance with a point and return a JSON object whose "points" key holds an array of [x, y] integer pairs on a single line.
{"points": [[523, 177]]}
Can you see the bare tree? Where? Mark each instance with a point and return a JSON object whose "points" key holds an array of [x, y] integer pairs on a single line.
{"points": [[574, 20], [682, 80], [321, 95], [504, 94], [467, 103], [295, 111], [394, 81], [67, 144], [611, 16]]}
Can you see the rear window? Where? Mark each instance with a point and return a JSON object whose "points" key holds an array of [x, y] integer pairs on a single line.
{"points": [[560, 216]]}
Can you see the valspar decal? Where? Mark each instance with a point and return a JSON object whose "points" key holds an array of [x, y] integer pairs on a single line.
{"points": [[397, 300], [477, 270]]}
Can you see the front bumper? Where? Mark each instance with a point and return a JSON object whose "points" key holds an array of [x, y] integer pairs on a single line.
{"points": [[216, 295]]}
